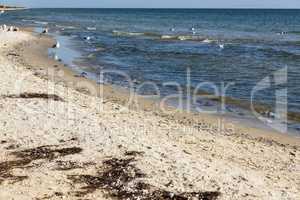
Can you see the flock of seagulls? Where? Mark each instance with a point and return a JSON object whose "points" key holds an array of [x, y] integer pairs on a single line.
{"points": [[8, 29]]}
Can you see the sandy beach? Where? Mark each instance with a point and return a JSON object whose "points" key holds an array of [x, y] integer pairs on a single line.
{"points": [[60, 140]]}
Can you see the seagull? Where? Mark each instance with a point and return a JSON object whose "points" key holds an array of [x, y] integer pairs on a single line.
{"points": [[45, 31], [56, 57], [172, 29], [2, 11], [57, 45], [222, 46], [87, 38]]}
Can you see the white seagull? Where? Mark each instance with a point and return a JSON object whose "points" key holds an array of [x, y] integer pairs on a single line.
{"points": [[57, 45]]}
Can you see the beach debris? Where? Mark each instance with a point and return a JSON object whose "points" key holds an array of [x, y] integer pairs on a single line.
{"points": [[57, 45], [25, 157], [49, 152], [134, 153], [53, 97], [8, 166], [121, 179], [70, 165], [13, 54]]}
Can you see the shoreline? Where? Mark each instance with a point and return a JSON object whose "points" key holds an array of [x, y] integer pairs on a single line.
{"points": [[38, 55], [60, 146]]}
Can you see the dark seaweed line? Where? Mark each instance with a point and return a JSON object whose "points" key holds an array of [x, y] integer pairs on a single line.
{"points": [[34, 96], [121, 179]]}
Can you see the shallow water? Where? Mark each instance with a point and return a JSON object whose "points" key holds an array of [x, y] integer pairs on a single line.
{"points": [[160, 46]]}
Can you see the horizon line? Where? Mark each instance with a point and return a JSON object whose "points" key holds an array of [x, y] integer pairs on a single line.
{"points": [[250, 8]]}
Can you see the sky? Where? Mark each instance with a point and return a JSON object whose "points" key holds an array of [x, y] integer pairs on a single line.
{"points": [[156, 3]]}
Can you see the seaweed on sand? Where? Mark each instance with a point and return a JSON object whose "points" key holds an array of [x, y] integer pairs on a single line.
{"points": [[6, 167], [70, 165], [46, 152], [121, 179], [25, 157], [53, 97]]}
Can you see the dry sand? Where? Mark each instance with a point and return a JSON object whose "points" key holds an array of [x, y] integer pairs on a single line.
{"points": [[59, 142]]}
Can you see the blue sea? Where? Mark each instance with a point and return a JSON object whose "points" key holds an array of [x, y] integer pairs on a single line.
{"points": [[239, 48]]}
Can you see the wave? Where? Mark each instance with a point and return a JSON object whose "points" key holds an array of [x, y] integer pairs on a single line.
{"points": [[41, 22], [91, 28], [165, 37], [27, 20], [196, 38], [65, 27], [123, 33], [182, 37]]}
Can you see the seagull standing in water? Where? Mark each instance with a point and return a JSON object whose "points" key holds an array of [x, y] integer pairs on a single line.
{"points": [[87, 38], [193, 30], [172, 29], [222, 46], [45, 31], [57, 45]]}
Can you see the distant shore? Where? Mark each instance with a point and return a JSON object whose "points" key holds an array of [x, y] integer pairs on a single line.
{"points": [[11, 8]]}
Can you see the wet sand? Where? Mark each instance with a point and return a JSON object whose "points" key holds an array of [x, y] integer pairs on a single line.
{"points": [[65, 142]]}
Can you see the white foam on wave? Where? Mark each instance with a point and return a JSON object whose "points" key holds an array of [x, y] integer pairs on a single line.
{"points": [[123, 33], [65, 27], [41, 22], [207, 41], [91, 28]]}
